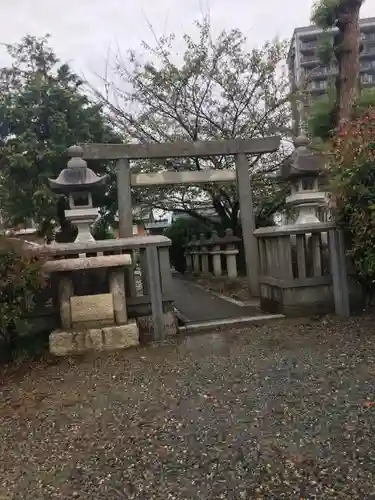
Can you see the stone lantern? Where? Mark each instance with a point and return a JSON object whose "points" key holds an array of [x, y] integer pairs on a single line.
{"points": [[303, 169], [78, 182]]}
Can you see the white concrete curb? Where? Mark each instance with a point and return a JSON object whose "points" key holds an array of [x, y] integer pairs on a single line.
{"points": [[264, 318]]}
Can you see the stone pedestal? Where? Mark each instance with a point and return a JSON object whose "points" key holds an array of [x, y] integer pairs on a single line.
{"points": [[111, 338], [92, 322]]}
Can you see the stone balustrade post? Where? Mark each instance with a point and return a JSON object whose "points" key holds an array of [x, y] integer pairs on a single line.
{"points": [[204, 254], [195, 254], [188, 256], [231, 253], [65, 292], [216, 254], [117, 289]]}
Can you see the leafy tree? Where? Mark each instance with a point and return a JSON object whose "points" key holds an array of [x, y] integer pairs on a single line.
{"points": [[42, 112], [322, 113], [343, 14], [347, 120], [217, 89], [352, 162]]}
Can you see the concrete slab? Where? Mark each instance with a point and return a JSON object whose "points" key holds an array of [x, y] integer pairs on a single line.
{"points": [[195, 304]]}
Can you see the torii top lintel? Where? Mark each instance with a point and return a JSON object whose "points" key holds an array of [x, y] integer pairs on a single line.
{"points": [[180, 149]]}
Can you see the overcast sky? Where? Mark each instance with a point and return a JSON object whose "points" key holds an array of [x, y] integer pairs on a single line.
{"points": [[82, 30]]}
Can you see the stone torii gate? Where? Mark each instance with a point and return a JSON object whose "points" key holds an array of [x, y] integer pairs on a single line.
{"points": [[240, 148]]}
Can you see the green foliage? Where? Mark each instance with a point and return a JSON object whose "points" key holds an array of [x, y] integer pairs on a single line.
{"points": [[216, 88], [322, 113], [365, 102], [180, 232], [21, 277], [325, 13], [43, 111], [352, 169], [322, 117], [346, 46], [101, 231], [325, 48]]}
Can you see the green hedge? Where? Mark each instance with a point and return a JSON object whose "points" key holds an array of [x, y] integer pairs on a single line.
{"points": [[21, 278]]}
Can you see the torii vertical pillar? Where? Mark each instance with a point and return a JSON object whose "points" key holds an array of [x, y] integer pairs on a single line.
{"points": [[124, 197], [245, 195], [125, 215]]}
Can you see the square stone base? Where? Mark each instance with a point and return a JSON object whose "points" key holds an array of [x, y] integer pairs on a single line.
{"points": [[111, 338], [146, 327]]}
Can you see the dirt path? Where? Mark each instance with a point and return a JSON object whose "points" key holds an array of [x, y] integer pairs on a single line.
{"points": [[274, 412]]}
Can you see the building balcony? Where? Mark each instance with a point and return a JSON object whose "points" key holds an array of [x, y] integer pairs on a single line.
{"points": [[321, 72], [317, 86], [310, 60], [368, 49], [308, 46]]}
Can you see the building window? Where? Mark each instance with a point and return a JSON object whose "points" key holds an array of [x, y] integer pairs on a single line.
{"points": [[308, 45], [318, 85]]}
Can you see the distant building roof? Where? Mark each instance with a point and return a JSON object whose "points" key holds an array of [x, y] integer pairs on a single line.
{"points": [[312, 28]]}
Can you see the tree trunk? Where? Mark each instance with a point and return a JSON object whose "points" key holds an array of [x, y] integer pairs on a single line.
{"points": [[347, 48]]}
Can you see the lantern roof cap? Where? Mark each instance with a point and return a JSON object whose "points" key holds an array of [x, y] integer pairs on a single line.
{"points": [[76, 176], [304, 161]]}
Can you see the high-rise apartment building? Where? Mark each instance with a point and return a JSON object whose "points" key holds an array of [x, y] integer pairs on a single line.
{"points": [[307, 71]]}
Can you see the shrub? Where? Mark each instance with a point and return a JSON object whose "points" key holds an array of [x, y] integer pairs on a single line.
{"points": [[102, 231], [21, 277], [352, 166]]}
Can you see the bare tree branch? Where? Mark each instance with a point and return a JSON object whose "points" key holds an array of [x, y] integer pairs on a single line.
{"points": [[218, 90]]}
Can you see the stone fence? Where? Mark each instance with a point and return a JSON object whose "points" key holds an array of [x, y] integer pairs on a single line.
{"points": [[303, 269], [151, 306], [215, 254]]}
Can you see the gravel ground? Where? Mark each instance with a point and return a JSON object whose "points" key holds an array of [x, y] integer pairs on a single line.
{"points": [[275, 412]]}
